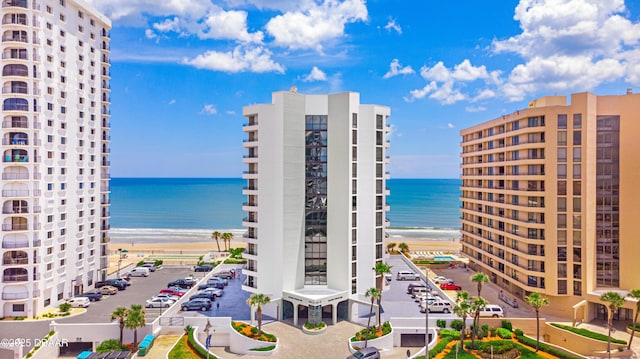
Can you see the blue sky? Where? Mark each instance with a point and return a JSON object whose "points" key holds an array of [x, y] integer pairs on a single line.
{"points": [[182, 70]]}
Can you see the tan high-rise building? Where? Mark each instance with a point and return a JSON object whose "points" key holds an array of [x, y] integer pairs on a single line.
{"points": [[550, 201]]}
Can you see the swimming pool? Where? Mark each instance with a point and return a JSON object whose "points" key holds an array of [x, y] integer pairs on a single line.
{"points": [[444, 258]]}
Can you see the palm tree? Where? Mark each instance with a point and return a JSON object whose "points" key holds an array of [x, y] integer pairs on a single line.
{"points": [[375, 294], [479, 278], [135, 319], [476, 306], [462, 309], [404, 248], [391, 247], [536, 300], [615, 301], [227, 237], [258, 300], [216, 236], [121, 315], [381, 269], [635, 294]]}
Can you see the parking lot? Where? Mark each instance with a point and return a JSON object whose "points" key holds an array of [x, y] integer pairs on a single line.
{"points": [[141, 289]]}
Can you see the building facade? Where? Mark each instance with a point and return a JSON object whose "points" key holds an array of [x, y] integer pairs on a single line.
{"points": [[316, 200], [549, 200], [55, 147]]}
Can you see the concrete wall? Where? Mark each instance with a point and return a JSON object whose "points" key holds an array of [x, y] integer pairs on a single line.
{"points": [[576, 343], [96, 332]]}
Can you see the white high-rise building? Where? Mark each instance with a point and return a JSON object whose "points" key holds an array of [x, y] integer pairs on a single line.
{"points": [[316, 201], [55, 152]]}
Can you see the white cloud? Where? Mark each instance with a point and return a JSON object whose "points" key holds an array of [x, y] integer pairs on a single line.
{"points": [[209, 109], [257, 59], [315, 75], [309, 28], [475, 109], [149, 34], [168, 25], [392, 25], [172, 101], [483, 95], [450, 125], [572, 45], [421, 93], [396, 69], [230, 112], [230, 25]]}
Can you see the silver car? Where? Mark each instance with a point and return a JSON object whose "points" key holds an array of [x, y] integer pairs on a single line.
{"points": [[159, 303], [366, 353]]}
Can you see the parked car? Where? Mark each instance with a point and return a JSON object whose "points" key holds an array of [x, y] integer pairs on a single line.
{"points": [[492, 310], [108, 290], [140, 272], [203, 268], [180, 283], [79, 302], [203, 294], [121, 285], [217, 291], [175, 298], [224, 274], [450, 286], [159, 303], [204, 286], [93, 295], [197, 304], [126, 279], [440, 306], [407, 275], [366, 353], [150, 265], [216, 279], [172, 291], [191, 279], [440, 279], [413, 285], [417, 291]]}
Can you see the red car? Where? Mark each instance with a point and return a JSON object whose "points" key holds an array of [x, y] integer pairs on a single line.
{"points": [[450, 286], [172, 291]]}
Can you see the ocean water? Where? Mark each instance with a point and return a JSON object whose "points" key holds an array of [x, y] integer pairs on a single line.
{"points": [[174, 209]]}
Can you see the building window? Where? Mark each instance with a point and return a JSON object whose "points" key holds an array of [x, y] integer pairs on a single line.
{"points": [[18, 307], [577, 121], [562, 138], [562, 287]]}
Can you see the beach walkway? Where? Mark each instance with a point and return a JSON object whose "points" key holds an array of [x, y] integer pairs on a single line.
{"points": [[162, 346]]}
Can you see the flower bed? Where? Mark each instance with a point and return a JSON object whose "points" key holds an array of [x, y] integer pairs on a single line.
{"points": [[372, 333], [250, 331], [312, 329]]}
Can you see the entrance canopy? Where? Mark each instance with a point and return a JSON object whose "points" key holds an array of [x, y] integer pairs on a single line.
{"points": [[316, 296]]}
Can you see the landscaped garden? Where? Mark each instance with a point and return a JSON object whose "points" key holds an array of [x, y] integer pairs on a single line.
{"points": [[252, 332]]}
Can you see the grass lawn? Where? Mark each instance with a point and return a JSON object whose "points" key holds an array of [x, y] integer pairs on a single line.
{"points": [[182, 351]]}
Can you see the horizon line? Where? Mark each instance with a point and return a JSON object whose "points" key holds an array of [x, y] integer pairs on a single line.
{"points": [[136, 177]]}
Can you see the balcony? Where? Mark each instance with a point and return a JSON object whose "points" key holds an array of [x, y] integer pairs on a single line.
{"points": [[15, 227], [15, 37], [12, 278]]}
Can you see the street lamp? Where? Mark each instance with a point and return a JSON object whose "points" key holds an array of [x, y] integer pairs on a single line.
{"points": [[119, 262], [426, 315]]}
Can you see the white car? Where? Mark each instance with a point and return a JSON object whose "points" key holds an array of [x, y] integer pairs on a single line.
{"points": [[424, 296], [440, 279], [217, 291], [159, 303], [166, 296]]}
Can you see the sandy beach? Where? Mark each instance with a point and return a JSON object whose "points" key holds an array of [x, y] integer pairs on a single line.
{"points": [[183, 252]]}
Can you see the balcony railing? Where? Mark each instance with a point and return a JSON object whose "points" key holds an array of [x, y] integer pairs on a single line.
{"points": [[15, 296], [15, 261], [15, 227], [15, 278]]}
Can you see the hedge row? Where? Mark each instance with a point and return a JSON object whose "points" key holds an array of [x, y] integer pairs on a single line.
{"points": [[546, 348], [588, 333], [202, 352]]}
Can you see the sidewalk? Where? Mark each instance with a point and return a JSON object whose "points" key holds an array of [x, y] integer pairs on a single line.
{"points": [[162, 346]]}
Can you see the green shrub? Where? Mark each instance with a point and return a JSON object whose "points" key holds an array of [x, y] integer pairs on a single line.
{"points": [[492, 332], [371, 333], [456, 324], [454, 334], [321, 325], [158, 262], [630, 326], [270, 337], [140, 264], [588, 333], [202, 352], [254, 330], [264, 349], [235, 261], [64, 307], [507, 325], [441, 323], [518, 332], [498, 346], [504, 333], [308, 325], [109, 345], [438, 348]]}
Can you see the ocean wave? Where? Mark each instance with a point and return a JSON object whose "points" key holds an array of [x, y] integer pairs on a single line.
{"points": [[162, 235]]}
